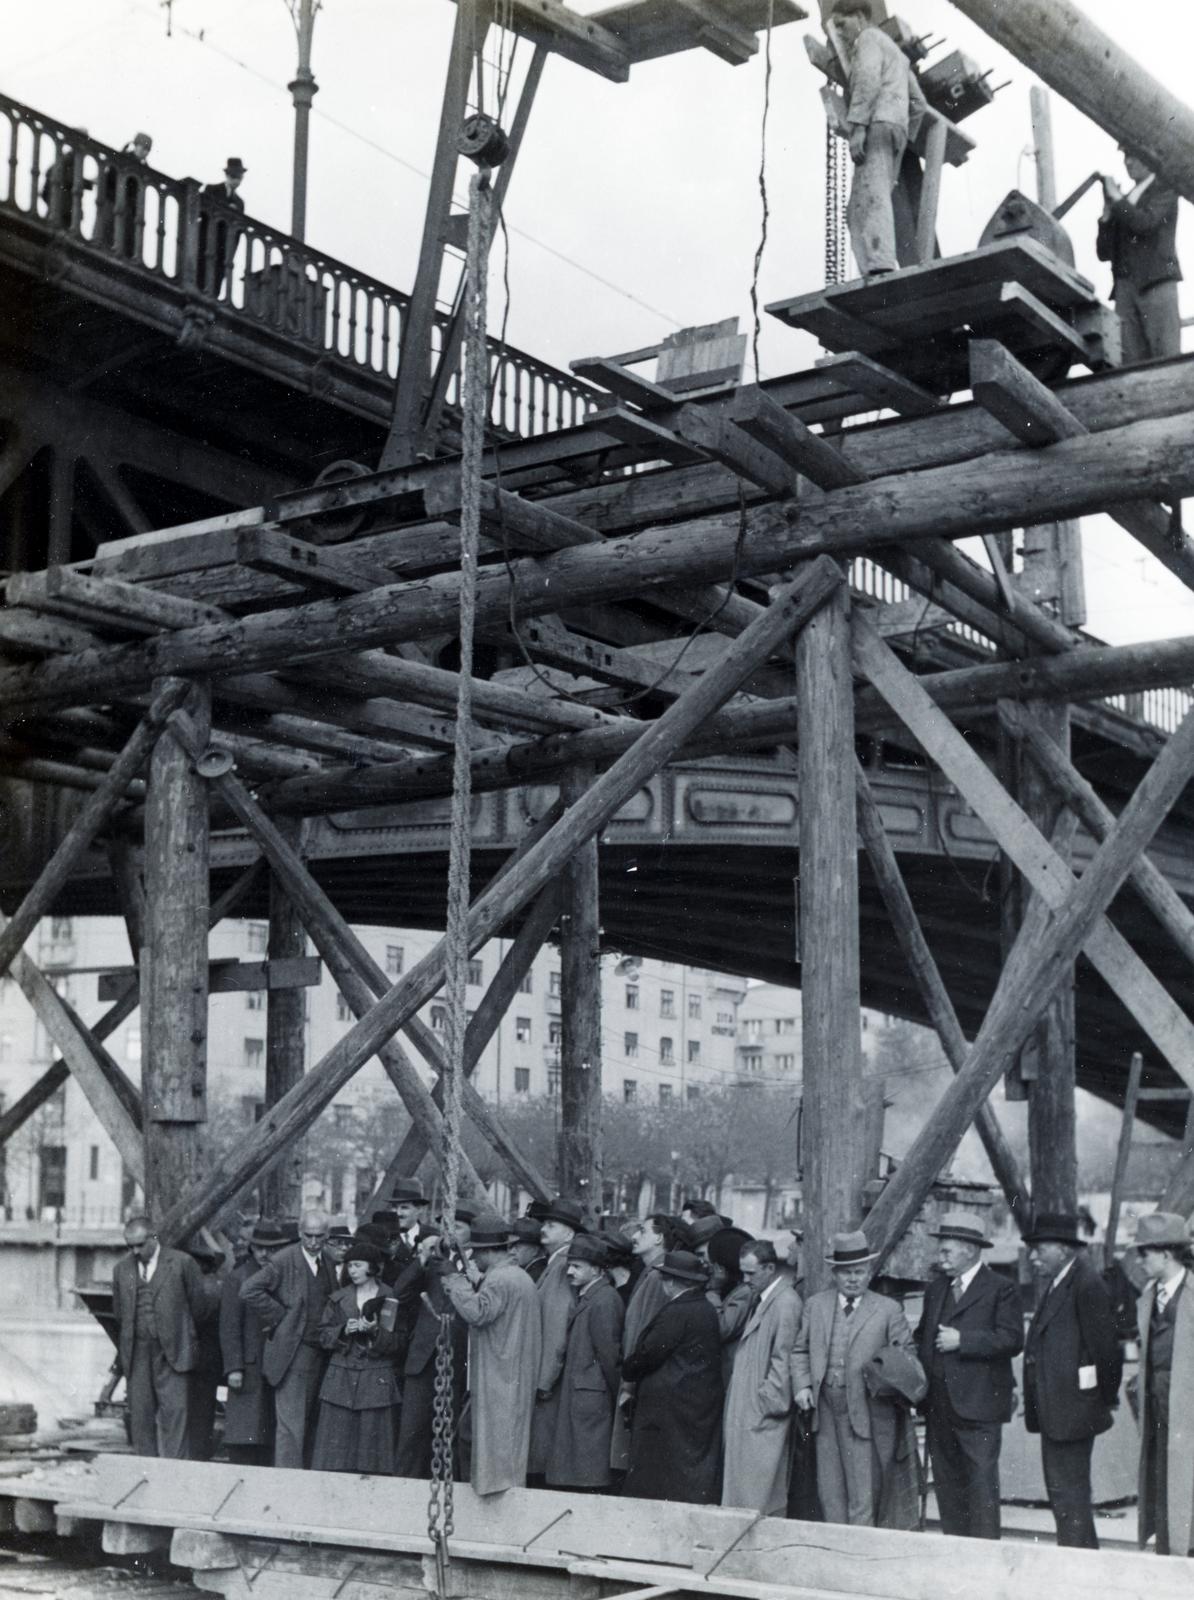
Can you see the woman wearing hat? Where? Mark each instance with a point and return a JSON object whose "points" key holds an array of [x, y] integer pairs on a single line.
{"points": [[249, 1408], [1165, 1317], [866, 1474], [730, 1297], [359, 1397]]}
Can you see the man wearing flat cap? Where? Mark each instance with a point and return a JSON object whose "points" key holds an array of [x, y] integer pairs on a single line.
{"points": [[579, 1457], [497, 1301], [1165, 1317], [968, 1332], [866, 1473], [560, 1220], [1072, 1368]]}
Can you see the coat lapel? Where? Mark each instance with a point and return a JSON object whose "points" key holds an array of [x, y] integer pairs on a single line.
{"points": [[975, 1290], [1053, 1301], [866, 1308]]}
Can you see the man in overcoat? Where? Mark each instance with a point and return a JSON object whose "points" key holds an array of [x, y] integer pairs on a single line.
{"points": [[758, 1414], [158, 1298], [1072, 1368], [421, 1300], [410, 1210], [218, 235], [288, 1294], [579, 1457], [675, 1368], [1165, 1318], [249, 1408], [968, 1332], [650, 1241], [497, 1301], [560, 1221], [861, 1440], [527, 1250]]}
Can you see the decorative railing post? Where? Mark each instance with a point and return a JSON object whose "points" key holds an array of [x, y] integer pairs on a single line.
{"points": [[188, 236]]}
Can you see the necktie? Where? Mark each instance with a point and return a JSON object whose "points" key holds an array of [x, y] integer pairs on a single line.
{"points": [[955, 1292], [144, 1268], [851, 1302], [1162, 1298]]}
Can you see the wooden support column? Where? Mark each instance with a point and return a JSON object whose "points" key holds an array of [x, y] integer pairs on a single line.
{"points": [[834, 1120], [578, 1151], [174, 967], [1122, 1152], [285, 1035]]}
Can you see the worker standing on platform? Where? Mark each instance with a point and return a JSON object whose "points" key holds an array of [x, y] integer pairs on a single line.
{"points": [[1138, 236], [588, 1389], [884, 111], [289, 1294], [758, 1414], [158, 1298]]}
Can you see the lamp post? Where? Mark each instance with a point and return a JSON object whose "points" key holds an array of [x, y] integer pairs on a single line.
{"points": [[302, 91]]}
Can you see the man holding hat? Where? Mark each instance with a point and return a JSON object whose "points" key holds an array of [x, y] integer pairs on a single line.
{"points": [[861, 1441], [969, 1331], [758, 1415], [1072, 1368], [560, 1220], [1165, 1317], [579, 1456], [249, 1408], [497, 1300], [675, 1368]]}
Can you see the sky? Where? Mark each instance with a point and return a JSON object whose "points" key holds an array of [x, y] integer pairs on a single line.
{"points": [[634, 209]]}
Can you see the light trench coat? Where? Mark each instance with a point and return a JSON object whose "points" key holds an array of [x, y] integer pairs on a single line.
{"points": [[759, 1406]]}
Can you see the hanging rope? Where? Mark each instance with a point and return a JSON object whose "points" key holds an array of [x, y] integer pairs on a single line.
{"points": [[765, 204], [474, 404]]}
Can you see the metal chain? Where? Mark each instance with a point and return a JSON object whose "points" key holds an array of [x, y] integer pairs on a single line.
{"points": [[834, 175]]}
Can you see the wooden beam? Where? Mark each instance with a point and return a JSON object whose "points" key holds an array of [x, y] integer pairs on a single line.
{"points": [[915, 947], [854, 373], [45, 1088], [812, 454], [102, 602], [578, 1160], [232, 977], [92, 815], [1157, 1013], [314, 566], [1042, 956], [1122, 1151], [285, 1033], [788, 611]]}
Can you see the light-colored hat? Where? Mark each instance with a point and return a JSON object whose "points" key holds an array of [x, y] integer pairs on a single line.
{"points": [[851, 1249], [963, 1225], [1162, 1230]]}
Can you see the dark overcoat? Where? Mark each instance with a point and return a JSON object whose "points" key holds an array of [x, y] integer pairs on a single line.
{"points": [[278, 1294], [579, 1453], [1180, 1433], [1140, 241], [1074, 1327], [556, 1303], [675, 1441], [644, 1300], [248, 1411], [978, 1374], [360, 1372], [180, 1301]]}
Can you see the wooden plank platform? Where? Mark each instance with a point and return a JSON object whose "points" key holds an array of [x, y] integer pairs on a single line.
{"points": [[648, 29]]}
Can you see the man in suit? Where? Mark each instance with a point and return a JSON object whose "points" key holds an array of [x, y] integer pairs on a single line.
{"points": [[857, 1436], [579, 1457], [1138, 236], [158, 1299], [1165, 1318], [759, 1402], [1072, 1368], [217, 235], [969, 1331], [289, 1294], [249, 1409], [409, 1227], [421, 1301], [559, 1223], [650, 1241]]}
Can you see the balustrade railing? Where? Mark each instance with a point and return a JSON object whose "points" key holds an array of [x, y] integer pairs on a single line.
{"points": [[170, 228]]}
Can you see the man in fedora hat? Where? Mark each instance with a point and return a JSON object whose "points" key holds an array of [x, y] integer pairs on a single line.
{"points": [[218, 237], [650, 1240], [527, 1250], [859, 1438], [1072, 1368], [560, 1220], [497, 1301], [249, 1408], [675, 1368], [968, 1332], [579, 1457], [758, 1414], [410, 1211], [1165, 1318]]}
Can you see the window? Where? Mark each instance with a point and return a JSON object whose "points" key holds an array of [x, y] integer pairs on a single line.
{"points": [[630, 1046], [754, 1027], [786, 1062], [525, 987], [251, 1109], [667, 1055], [693, 1092], [555, 1032], [394, 960], [632, 997], [61, 930], [254, 1052], [255, 1000], [667, 1002], [132, 1045], [522, 1080], [342, 1117], [694, 1007], [522, 1030], [666, 1094], [439, 1018], [257, 934], [553, 983], [476, 974], [51, 1177], [93, 1163], [553, 1080], [343, 1009], [629, 1090], [694, 1049], [785, 1024]]}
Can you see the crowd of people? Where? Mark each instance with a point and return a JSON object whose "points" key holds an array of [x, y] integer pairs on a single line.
{"points": [[676, 1358]]}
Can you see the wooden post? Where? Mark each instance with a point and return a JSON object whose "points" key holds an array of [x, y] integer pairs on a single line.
{"points": [[1122, 1152], [1042, 147], [285, 1035], [834, 1121], [578, 1160], [174, 967]]}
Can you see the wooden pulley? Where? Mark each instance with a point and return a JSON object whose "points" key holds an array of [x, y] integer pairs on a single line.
{"points": [[482, 140]]}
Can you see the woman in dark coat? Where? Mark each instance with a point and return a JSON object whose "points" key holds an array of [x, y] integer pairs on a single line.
{"points": [[675, 1440], [358, 1401]]}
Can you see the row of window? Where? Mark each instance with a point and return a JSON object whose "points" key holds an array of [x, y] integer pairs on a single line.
{"points": [[755, 1027], [667, 1092]]}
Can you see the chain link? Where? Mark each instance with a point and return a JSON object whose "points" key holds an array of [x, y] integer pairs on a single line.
{"points": [[837, 169]]}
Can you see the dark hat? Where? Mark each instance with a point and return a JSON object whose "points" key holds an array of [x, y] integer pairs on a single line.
{"points": [[235, 167], [268, 1235], [201, 1251], [703, 1229], [588, 1247], [373, 1232], [726, 1247], [340, 1231], [894, 1373], [387, 1220], [1055, 1227], [699, 1208], [566, 1211], [618, 1248], [1161, 1230], [407, 1194], [538, 1209], [290, 1227], [491, 1232], [365, 1250], [526, 1230], [964, 1225], [467, 1213], [850, 1249], [684, 1265]]}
